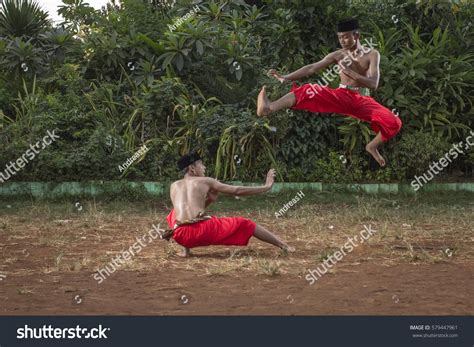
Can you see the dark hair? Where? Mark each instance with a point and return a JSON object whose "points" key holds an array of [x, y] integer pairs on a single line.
{"points": [[186, 169]]}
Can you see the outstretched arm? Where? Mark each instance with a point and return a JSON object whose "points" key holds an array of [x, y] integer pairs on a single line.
{"points": [[307, 70], [372, 79], [242, 190]]}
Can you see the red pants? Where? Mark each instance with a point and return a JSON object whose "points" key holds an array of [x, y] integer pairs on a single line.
{"points": [[227, 231], [315, 98]]}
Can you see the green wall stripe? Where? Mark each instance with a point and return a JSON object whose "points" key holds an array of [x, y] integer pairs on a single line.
{"points": [[95, 188]]}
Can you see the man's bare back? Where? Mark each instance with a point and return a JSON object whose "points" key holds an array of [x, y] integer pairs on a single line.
{"points": [[192, 194], [189, 197]]}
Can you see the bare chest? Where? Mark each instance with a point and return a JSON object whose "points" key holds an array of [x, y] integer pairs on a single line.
{"points": [[357, 61]]}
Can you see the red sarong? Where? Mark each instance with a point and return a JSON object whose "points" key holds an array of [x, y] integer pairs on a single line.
{"points": [[315, 98], [227, 231]]}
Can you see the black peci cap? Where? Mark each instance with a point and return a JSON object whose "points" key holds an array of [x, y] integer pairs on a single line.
{"points": [[347, 25], [187, 160]]}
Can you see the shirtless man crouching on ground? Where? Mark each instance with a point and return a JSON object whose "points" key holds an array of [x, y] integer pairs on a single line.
{"points": [[191, 227]]}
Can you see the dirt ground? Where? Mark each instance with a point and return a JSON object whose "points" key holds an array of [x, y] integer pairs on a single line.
{"points": [[419, 261]]}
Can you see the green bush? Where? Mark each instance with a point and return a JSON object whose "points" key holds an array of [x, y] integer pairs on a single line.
{"points": [[417, 151], [114, 79]]}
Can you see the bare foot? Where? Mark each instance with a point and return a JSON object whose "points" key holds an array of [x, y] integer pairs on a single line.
{"points": [[263, 104], [186, 253], [288, 248], [375, 153], [381, 160]]}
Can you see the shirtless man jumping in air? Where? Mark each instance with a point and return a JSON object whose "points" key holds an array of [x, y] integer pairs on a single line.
{"points": [[191, 227], [358, 69]]}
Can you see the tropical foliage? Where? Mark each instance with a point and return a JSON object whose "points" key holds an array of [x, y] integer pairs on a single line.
{"points": [[146, 72]]}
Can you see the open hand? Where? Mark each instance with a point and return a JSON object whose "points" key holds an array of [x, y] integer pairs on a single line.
{"points": [[270, 178], [274, 73]]}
